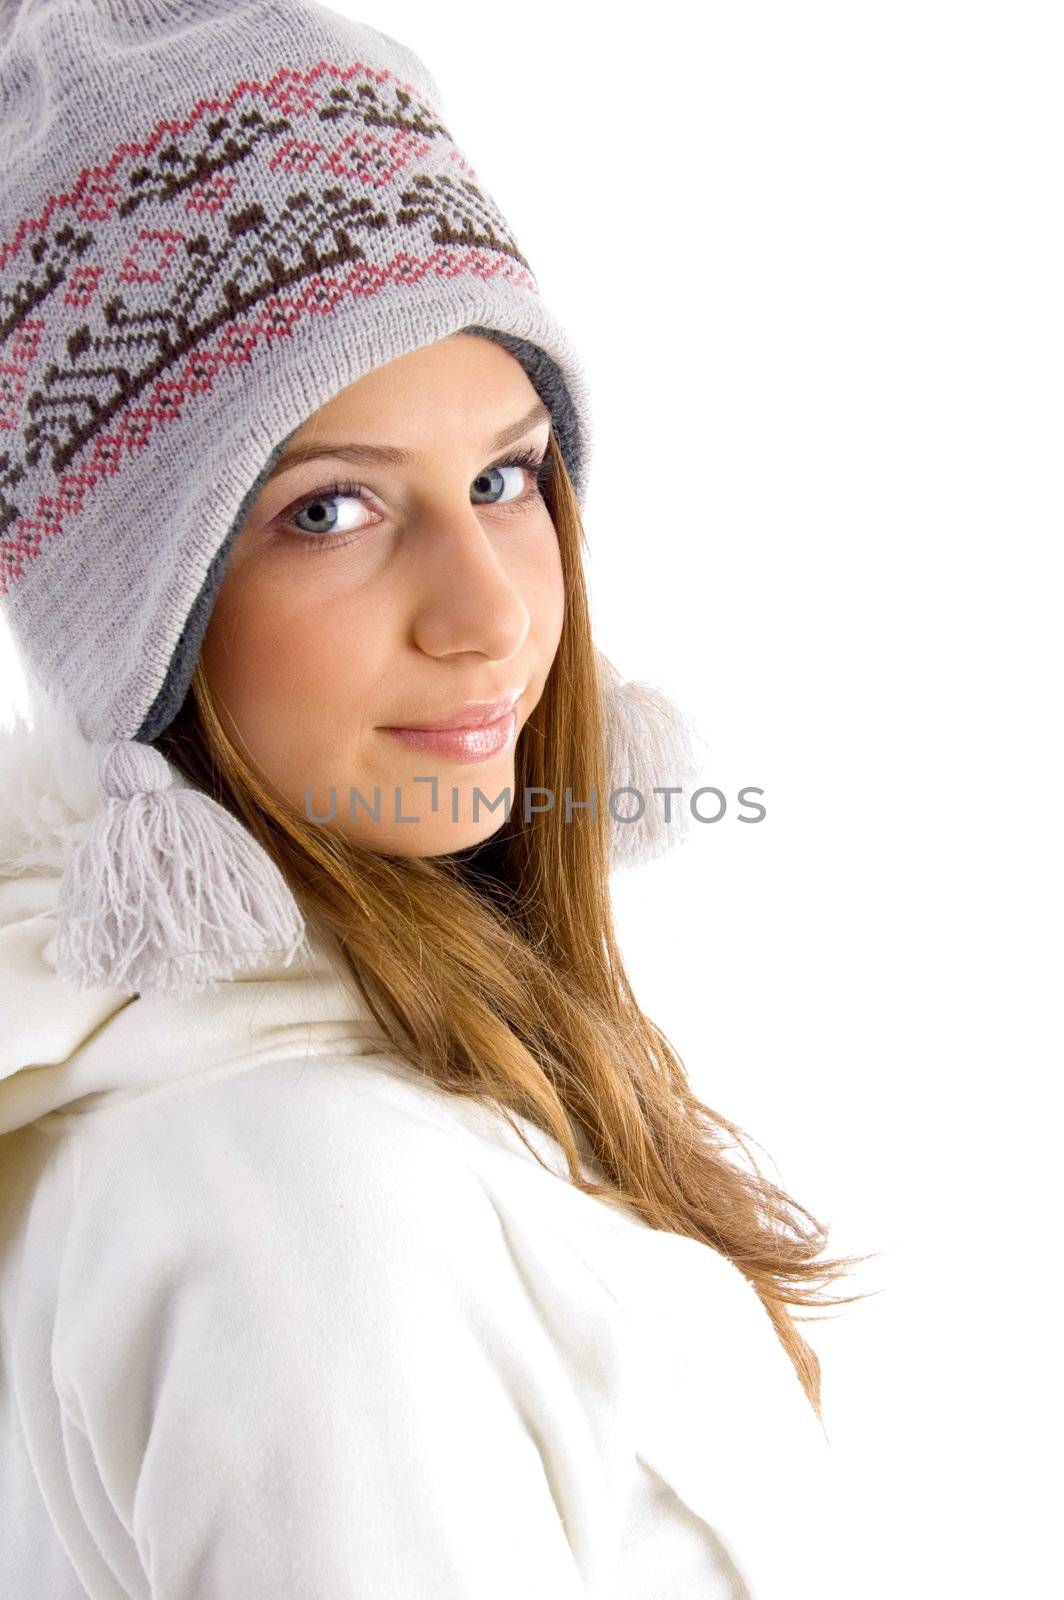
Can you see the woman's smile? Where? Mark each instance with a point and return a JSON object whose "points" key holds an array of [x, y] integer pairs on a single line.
{"points": [[461, 744]]}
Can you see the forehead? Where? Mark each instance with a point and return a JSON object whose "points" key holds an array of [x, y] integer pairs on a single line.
{"points": [[459, 379], [335, 441]]}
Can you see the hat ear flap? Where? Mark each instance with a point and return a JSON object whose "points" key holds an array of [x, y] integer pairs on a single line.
{"points": [[650, 746]]}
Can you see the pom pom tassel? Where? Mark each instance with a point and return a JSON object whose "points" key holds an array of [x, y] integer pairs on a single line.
{"points": [[167, 890], [649, 745]]}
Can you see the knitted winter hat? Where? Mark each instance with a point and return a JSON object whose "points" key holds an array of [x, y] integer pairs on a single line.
{"points": [[216, 216]]}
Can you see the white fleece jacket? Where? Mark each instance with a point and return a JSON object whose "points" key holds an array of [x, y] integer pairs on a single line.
{"points": [[279, 1320]]}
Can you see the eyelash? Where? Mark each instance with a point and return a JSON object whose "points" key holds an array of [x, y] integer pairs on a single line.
{"points": [[540, 466]]}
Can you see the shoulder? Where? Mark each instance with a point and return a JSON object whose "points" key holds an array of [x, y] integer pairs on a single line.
{"points": [[314, 1154], [307, 1196], [297, 1219], [288, 1302]]}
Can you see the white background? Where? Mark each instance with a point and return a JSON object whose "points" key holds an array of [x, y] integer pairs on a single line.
{"points": [[812, 256]]}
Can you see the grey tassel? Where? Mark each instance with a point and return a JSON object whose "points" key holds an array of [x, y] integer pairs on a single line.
{"points": [[167, 890], [649, 744]]}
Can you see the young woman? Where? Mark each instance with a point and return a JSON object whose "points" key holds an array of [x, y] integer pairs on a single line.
{"points": [[359, 1234]]}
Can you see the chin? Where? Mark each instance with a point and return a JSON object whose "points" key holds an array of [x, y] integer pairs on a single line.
{"points": [[449, 842]]}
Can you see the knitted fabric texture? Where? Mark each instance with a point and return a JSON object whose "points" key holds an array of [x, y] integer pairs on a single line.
{"points": [[214, 218]]}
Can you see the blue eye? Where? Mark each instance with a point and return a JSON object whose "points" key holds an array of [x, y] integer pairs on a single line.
{"points": [[522, 464], [327, 528], [321, 519]]}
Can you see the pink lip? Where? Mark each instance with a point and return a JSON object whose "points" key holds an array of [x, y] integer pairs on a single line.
{"points": [[474, 714], [461, 744]]}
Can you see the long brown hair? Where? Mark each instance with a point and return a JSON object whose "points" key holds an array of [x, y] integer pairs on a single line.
{"points": [[496, 973]]}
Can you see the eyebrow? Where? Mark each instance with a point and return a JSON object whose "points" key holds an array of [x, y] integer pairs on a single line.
{"points": [[389, 455]]}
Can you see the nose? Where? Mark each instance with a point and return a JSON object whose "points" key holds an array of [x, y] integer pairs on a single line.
{"points": [[466, 598]]}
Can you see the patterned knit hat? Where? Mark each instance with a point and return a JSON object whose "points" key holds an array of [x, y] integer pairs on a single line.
{"points": [[215, 216]]}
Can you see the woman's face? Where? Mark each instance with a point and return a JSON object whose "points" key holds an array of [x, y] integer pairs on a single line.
{"points": [[384, 587]]}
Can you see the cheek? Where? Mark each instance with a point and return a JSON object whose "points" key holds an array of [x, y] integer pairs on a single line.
{"points": [[290, 664], [546, 596]]}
